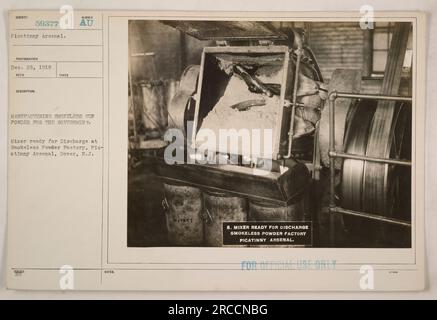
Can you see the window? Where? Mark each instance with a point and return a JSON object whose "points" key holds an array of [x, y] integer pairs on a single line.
{"points": [[382, 34]]}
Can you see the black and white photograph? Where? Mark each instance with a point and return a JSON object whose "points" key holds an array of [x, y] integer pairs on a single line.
{"points": [[273, 134], [237, 152]]}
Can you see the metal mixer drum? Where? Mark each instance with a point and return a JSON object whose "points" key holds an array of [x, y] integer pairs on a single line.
{"points": [[395, 202], [179, 106]]}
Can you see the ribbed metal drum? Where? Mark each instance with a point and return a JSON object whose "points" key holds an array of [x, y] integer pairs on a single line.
{"points": [[356, 138], [219, 208], [183, 211], [387, 191]]}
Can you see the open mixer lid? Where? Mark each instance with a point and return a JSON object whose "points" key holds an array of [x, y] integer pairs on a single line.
{"points": [[227, 30]]}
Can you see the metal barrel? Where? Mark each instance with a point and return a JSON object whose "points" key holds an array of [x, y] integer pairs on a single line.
{"points": [[262, 211], [183, 211], [218, 208]]}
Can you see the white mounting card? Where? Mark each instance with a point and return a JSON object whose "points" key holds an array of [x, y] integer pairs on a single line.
{"points": [[97, 202]]}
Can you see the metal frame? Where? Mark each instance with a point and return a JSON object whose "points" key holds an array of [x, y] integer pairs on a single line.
{"points": [[335, 154], [279, 49], [299, 53]]}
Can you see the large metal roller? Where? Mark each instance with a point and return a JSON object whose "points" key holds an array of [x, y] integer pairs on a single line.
{"points": [[387, 191], [380, 129], [378, 178], [356, 138]]}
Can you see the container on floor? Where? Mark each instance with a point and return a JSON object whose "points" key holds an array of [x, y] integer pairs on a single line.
{"points": [[218, 208], [183, 210]]}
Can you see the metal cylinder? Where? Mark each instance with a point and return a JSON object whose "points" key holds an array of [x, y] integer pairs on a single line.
{"points": [[271, 212], [219, 208], [266, 212], [181, 101], [183, 211], [170, 88], [153, 105]]}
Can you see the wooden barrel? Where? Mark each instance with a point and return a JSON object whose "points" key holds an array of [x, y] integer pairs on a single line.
{"points": [[183, 212], [219, 208]]}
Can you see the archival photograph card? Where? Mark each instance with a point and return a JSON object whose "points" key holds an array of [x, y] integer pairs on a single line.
{"points": [[261, 151]]}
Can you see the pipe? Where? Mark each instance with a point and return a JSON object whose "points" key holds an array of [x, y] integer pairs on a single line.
{"points": [[316, 153], [143, 54], [298, 44], [331, 98], [132, 103], [371, 216], [371, 96], [335, 154], [293, 106]]}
